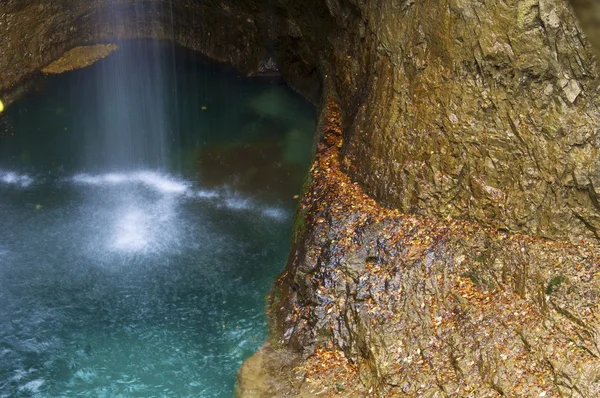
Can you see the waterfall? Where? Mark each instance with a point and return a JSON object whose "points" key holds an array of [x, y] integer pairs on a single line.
{"points": [[131, 126]]}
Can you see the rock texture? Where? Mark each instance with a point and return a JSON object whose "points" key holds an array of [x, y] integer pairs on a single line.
{"points": [[588, 13], [382, 303], [447, 241], [474, 110], [474, 127]]}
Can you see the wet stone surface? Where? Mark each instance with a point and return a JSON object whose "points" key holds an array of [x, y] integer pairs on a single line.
{"points": [[414, 306]]}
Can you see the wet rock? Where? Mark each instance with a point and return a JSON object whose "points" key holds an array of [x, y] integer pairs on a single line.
{"points": [[571, 89], [588, 12], [418, 306]]}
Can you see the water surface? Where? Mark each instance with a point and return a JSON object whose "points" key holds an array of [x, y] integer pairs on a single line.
{"points": [[146, 208]]}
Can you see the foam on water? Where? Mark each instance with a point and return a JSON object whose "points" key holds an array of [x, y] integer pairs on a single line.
{"points": [[86, 375], [144, 213], [275, 213], [16, 179], [204, 194], [157, 181], [131, 231], [145, 226], [237, 203], [141, 217], [120, 275], [32, 386]]}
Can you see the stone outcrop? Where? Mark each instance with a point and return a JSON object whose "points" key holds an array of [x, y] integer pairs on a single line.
{"points": [[474, 110], [382, 303], [588, 13], [447, 240], [473, 125]]}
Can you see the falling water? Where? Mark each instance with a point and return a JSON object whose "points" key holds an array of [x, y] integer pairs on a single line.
{"points": [[146, 205], [129, 127], [135, 95]]}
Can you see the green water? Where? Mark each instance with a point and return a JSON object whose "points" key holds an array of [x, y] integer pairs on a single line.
{"points": [[146, 206]]}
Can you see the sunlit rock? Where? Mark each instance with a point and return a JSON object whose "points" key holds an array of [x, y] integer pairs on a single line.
{"points": [[79, 57]]}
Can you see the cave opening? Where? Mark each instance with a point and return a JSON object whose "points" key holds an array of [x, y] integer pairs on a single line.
{"points": [[147, 204]]}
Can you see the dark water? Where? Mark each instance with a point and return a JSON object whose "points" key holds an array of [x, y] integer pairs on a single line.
{"points": [[146, 207]]}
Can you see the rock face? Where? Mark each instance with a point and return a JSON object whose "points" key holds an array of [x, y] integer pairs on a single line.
{"points": [[588, 13], [483, 112], [494, 108], [390, 304], [473, 110], [457, 137]]}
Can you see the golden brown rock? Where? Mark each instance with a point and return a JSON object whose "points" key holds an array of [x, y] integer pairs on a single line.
{"points": [[428, 307], [79, 57]]}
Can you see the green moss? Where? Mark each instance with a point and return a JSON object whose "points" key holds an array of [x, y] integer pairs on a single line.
{"points": [[277, 295], [480, 280], [299, 222], [300, 217], [478, 275], [527, 12], [554, 284]]}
